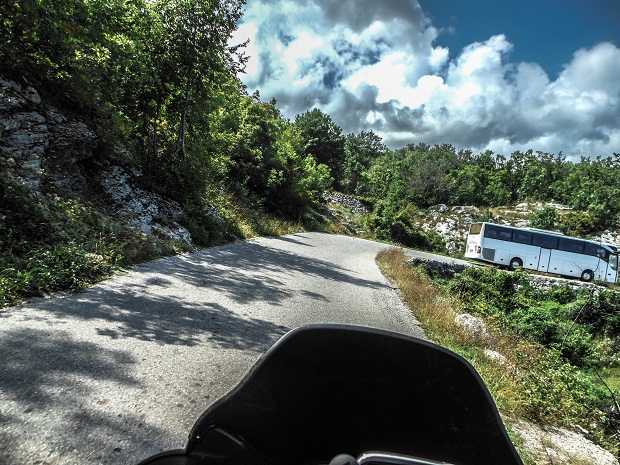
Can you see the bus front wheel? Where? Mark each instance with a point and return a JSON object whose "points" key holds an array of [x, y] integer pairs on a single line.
{"points": [[587, 276], [515, 263]]}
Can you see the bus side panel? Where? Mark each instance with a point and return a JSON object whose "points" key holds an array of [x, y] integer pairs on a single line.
{"points": [[569, 264], [571, 268], [531, 261], [543, 261], [502, 257], [556, 263]]}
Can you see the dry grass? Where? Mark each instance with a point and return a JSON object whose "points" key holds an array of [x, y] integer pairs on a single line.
{"points": [[436, 313]]}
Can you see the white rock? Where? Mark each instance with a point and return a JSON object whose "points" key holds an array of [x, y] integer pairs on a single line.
{"points": [[475, 327], [494, 355]]}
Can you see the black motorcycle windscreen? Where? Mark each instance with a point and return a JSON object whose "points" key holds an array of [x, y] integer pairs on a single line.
{"points": [[324, 390]]}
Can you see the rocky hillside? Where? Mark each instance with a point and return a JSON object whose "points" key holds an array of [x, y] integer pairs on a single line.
{"points": [[55, 153], [452, 223]]}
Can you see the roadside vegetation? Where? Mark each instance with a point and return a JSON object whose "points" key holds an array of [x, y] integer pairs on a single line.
{"points": [[160, 79], [560, 361]]}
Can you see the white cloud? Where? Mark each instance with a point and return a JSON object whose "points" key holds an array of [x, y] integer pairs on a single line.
{"points": [[375, 65]]}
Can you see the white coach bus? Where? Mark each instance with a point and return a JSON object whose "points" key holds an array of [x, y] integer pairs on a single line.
{"points": [[539, 250]]}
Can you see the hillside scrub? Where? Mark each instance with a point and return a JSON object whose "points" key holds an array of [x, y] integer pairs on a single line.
{"points": [[559, 347], [418, 176]]}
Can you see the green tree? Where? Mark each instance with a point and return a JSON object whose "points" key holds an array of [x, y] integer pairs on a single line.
{"points": [[61, 47], [428, 172], [359, 152], [267, 166], [322, 138], [468, 184], [497, 191], [544, 218]]}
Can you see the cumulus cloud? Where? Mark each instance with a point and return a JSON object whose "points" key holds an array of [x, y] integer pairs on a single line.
{"points": [[375, 65]]}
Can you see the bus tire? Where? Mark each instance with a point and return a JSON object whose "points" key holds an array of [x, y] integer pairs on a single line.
{"points": [[587, 276], [515, 263]]}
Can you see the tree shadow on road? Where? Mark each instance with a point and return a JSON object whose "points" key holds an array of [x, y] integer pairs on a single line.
{"points": [[176, 300], [46, 374], [48, 362]]}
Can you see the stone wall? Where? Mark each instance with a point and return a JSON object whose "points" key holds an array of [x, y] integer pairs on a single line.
{"points": [[346, 201]]}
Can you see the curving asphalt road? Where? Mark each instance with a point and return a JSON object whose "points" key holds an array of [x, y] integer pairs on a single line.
{"points": [[121, 371]]}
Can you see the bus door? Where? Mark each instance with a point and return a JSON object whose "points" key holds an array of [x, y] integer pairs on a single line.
{"points": [[612, 269], [543, 261], [556, 262]]}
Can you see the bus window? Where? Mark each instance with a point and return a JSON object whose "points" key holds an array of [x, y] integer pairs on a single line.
{"points": [[570, 245], [475, 229], [596, 250], [505, 235], [613, 261], [497, 232], [522, 237], [491, 231], [544, 240]]}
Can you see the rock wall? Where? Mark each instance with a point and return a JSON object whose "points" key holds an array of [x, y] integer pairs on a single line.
{"points": [[24, 133], [38, 143], [47, 150]]}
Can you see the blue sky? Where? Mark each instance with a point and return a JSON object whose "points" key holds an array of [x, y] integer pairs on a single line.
{"points": [[479, 74], [547, 32]]}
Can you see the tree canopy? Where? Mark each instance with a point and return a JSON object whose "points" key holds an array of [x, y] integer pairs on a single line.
{"points": [[161, 78]]}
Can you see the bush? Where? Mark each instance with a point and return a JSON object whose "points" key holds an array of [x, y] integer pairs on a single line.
{"points": [[205, 229], [488, 291], [544, 218], [576, 223], [556, 391], [393, 225], [574, 323], [538, 323], [599, 310], [49, 244]]}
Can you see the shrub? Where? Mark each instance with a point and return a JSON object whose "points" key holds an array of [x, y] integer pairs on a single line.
{"points": [[49, 244], [576, 223], [393, 225], [556, 391], [489, 291], [544, 218]]}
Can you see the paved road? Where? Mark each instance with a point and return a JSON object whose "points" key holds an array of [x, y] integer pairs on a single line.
{"points": [[121, 371]]}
